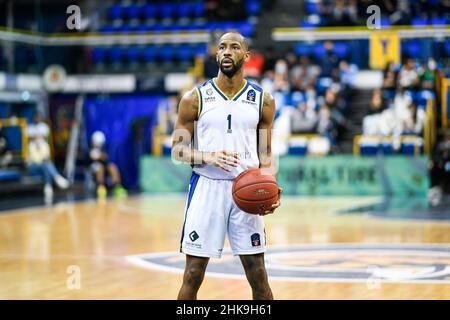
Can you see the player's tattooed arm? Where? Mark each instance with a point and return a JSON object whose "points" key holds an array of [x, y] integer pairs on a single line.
{"points": [[265, 141], [182, 139], [265, 131]]}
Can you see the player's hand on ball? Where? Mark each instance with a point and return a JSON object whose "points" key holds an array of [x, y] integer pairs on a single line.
{"points": [[276, 205], [223, 159]]}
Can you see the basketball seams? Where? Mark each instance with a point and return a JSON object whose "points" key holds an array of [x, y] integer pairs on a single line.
{"points": [[256, 200]]}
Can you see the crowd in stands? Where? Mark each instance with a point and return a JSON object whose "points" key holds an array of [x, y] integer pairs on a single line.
{"points": [[399, 107], [312, 93], [393, 12]]}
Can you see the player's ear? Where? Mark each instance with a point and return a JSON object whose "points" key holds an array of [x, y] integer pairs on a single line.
{"points": [[247, 56]]}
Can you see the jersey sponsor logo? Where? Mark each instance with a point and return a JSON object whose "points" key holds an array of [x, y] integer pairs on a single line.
{"points": [[209, 91], [256, 240], [193, 236], [210, 99], [248, 102], [344, 262], [251, 95]]}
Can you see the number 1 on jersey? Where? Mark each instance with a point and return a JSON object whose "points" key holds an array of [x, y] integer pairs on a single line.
{"points": [[229, 124]]}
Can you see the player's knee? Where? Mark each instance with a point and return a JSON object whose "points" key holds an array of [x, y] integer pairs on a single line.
{"points": [[258, 278], [194, 276]]}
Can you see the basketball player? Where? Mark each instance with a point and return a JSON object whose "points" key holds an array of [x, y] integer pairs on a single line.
{"points": [[228, 111]]}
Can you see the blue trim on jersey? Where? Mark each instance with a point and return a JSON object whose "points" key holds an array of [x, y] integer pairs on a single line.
{"points": [[261, 96], [217, 90], [192, 184], [201, 101], [240, 94], [261, 91], [256, 87]]}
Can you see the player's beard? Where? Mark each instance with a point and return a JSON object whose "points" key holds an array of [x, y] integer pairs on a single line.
{"points": [[236, 66]]}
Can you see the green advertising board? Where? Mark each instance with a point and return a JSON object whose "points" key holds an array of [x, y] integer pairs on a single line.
{"points": [[332, 175]]}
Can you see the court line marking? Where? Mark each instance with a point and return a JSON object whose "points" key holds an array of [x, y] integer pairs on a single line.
{"points": [[138, 260]]}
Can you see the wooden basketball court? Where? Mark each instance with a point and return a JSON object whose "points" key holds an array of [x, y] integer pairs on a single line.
{"points": [[93, 250]]}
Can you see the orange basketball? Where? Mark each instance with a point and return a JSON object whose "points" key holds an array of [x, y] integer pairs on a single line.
{"points": [[255, 192]]}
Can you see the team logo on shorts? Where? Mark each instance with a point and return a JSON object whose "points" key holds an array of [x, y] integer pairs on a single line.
{"points": [[193, 236], [209, 91], [256, 240], [251, 95]]}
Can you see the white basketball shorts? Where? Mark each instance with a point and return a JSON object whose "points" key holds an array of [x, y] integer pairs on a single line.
{"points": [[211, 213]]}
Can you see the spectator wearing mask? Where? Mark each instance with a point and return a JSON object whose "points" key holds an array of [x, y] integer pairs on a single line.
{"points": [[304, 117], [429, 75], [281, 82], [408, 77]]}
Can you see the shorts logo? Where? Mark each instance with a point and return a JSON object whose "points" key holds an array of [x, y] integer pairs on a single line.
{"points": [[209, 91], [256, 241], [193, 236], [251, 95]]}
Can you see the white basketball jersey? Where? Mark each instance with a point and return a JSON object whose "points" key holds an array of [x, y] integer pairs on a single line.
{"points": [[228, 125]]}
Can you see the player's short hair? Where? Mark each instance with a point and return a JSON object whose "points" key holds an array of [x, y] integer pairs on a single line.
{"points": [[242, 39]]}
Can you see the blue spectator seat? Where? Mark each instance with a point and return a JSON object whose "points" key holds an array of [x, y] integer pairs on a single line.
{"points": [[409, 148], [141, 28], [166, 10], [184, 10], [312, 7], [150, 11], [341, 49], [133, 11], [412, 48], [438, 22], [13, 136], [302, 49], [419, 22], [423, 96], [116, 12], [9, 175], [198, 9], [115, 55], [185, 53], [107, 29], [166, 53], [150, 54], [124, 28], [98, 55], [132, 54], [298, 149], [201, 50], [253, 7], [447, 47]]}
